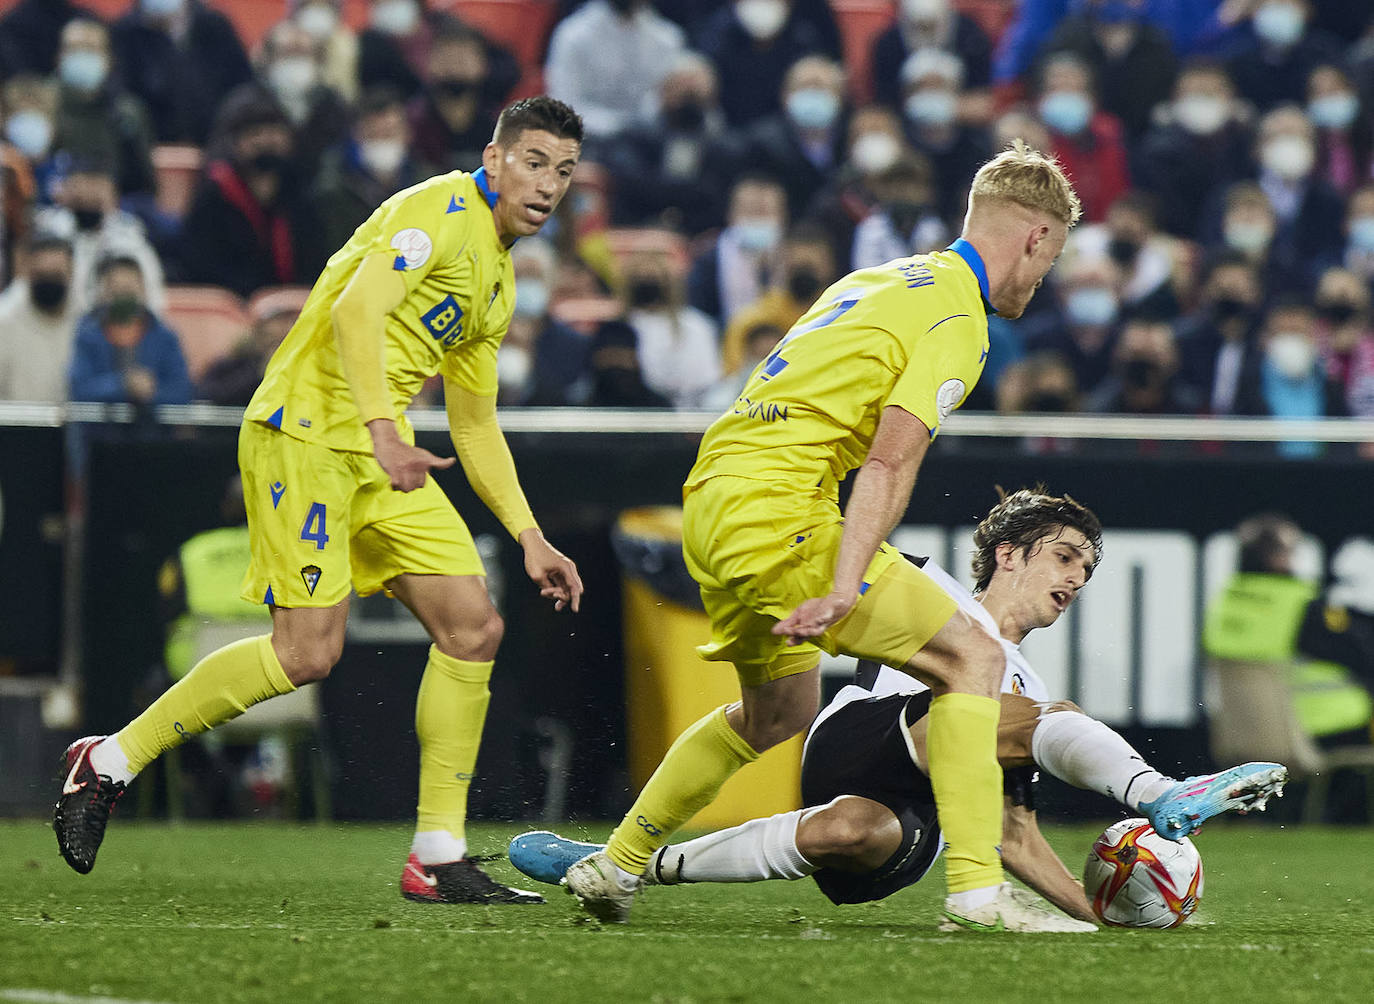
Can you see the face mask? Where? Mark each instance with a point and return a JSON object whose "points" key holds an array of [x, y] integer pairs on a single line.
{"points": [[762, 19], [123, 308], [1292, 355], [318, 20], [454, 88], [395, 17], [48, 292], [1066, 112], [1047, 401], [1200, 114], [88, 218], [1333, 111], [269, 162], [30, 131], [382, 156], [689, 116], [1091, 306], [531, 298], [1141, 373], [757, 235], [1228, 308], [82, 69], [647, 293], [1337, 313], [163, 8], [514, 364], [293, 76], [904, 216], [1362, 234], [803, 285], [921, 11], [1290, 157], [1123, 251], [932, 107], [1279, 24], [813, 108], [874, 151], [1251, 238]]}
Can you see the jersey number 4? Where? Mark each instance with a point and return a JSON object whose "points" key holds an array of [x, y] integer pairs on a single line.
{"points": [[839, 306], [314, 527]]}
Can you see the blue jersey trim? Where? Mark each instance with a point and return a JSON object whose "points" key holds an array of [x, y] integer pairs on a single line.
{"points": [[974, 261], [479, 178], [938, 323]]}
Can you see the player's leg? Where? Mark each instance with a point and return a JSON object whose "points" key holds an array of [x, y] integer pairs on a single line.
{"points": [[905, 620]]}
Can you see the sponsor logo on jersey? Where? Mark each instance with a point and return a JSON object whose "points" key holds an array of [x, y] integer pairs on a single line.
{"points": [[445, 320], [949, 395], [412, 246], [311, 575], [763, 411], [916, 275]]}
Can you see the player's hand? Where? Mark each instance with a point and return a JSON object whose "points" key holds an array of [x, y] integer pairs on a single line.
{"points": [[552, 571], [814, 617], [406, 465]]}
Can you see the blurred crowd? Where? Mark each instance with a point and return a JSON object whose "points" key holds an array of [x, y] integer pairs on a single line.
{"points": [[168, 193]]}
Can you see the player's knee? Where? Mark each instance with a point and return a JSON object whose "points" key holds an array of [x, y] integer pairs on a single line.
{"points": [[977, 666], [473, 638], [765, 727], [313, 664], [849, 834]]}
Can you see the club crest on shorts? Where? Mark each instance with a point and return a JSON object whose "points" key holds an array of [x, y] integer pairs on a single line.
{"points": [[311, 575]]}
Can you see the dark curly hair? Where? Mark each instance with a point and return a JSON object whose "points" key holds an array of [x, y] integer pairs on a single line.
{"points": [[543, 112], [1025, 517]]}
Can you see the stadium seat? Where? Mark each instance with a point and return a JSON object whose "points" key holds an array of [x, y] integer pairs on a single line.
{"points": [[860, 22], [176, 168], [208, 321], [272, 300], [522, 26], [1251, 716]]}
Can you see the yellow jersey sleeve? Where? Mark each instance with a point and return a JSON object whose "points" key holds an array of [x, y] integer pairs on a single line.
{"points": [[944, 366], [474, 368], [406, 230]]}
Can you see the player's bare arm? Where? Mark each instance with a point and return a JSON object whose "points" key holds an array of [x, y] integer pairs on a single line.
{"points": [[359, 317], [490, 469], [882, 491], [1028, 855]]}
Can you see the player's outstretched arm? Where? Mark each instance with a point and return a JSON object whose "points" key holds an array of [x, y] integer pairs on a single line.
{"points": [[1028, 855], [490, 469], [882, 490]]}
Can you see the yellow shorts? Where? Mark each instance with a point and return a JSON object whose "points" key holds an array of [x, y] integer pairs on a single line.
{"points": [[759, 549], [321, 521]]}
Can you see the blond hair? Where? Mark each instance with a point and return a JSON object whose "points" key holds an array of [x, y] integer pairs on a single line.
{"points": [[1028, 178]]}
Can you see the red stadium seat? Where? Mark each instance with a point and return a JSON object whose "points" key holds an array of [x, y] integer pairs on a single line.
{"points": [[522, 26], [176, 167], [208, 321], [860, 22]]}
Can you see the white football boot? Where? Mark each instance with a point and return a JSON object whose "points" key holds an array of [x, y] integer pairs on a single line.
{"points": [[595, 881], [1014, 910]]}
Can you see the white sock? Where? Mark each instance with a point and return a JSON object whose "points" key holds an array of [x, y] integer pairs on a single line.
{"points": [[107, 757], [751, 852], [438, 847], [972, 899], [1088, 754]]}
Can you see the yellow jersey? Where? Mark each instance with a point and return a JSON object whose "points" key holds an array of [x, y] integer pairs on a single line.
{"points": [[911, 333], [460, 292]]}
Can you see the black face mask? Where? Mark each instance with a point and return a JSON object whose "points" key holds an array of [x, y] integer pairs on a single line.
{"points": [[1337, 313], [622, 6], [123, 309], [803, 285], [1141, 373], [269, 162], [1228, 308], [1048, 401], [904, 216], [88, 219], [454, 88], [647, 293], [688, 117], [48, 292], [1122, 251]]}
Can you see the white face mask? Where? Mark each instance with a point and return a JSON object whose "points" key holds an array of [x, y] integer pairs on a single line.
{"points": [[875, 151], [920, 11], [1251, 238], [531, 298], [30, 131], [931, 107], [382, 157], [1279, 23], [1201, 114], [813, 108], [1333, 111], [762, 19], [163, 8], [514, 365], [292, 76], [82, 69], [1091, 306], [318, 20], [757, 234], [396, 17], [1292, 354], [1290, 157]]}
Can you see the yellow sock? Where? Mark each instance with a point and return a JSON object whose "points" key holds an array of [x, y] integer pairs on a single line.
{"points": [[223, 685], [701, 760], [961, 747], [448, 721]]}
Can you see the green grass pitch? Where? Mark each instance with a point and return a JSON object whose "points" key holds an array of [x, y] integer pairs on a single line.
{"points": [[265, 912]]}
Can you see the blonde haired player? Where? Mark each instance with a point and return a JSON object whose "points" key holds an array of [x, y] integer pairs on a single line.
{"points": [[339, 497], [863, 381]]}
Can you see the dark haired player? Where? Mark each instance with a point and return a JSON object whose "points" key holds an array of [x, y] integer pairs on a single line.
{"points": [[871, 827], [339, 497]]}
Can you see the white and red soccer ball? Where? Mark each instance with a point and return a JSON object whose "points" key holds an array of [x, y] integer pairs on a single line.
{"points": [[1136, 878]]}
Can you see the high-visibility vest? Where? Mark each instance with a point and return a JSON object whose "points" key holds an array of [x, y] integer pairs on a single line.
{"points": [[212, 566]]}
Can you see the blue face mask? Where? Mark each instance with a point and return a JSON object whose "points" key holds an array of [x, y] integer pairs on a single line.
{"points": [[30, 131], [1362, 234], [1091, 306], [531, 298], [813, 108], [931, 107], [1280, 24], [82, 69], [1066, 112], [757, 235], [1333, 111]]}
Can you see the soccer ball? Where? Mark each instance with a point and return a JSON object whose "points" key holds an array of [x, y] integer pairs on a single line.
{"points": [[1136, 878]]}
